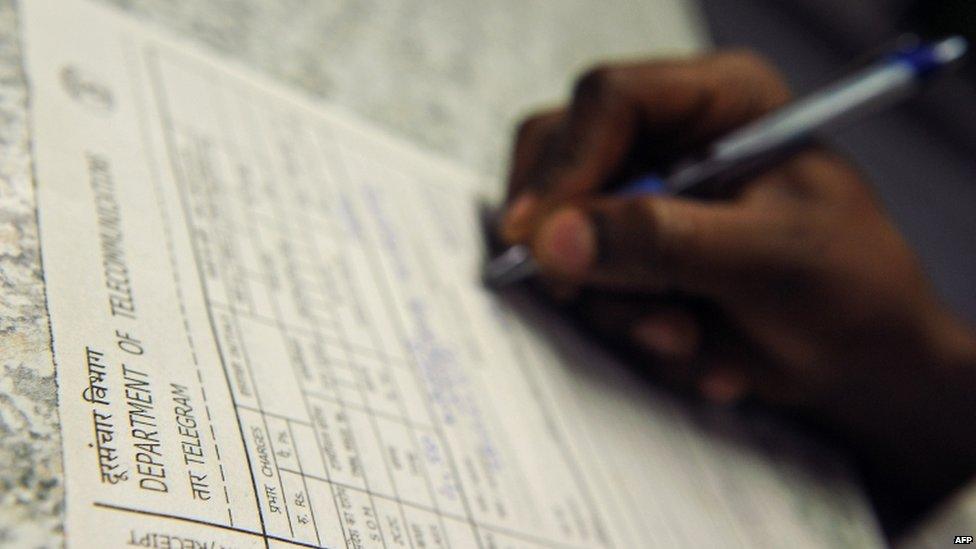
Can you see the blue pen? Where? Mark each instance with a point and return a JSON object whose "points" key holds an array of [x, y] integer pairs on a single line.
{"points": [[770, 138]]}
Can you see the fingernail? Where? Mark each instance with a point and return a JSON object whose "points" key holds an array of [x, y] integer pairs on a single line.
{"points": [[662, 338], [518, 216], [566, 243], [723, 387]]}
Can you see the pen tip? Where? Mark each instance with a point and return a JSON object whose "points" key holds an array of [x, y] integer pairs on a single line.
{"points": [[513, 265]]}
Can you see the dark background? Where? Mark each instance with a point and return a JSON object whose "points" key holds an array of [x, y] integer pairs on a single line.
{"points": [[922, 155]]}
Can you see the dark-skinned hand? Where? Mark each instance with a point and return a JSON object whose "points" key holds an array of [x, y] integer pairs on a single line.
{"points": [[825, 310]]}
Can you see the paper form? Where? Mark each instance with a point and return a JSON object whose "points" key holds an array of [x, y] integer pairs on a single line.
{"points": [[269, 332]]}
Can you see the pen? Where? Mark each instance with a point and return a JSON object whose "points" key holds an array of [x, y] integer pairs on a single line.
{"points": [[747, 150]]}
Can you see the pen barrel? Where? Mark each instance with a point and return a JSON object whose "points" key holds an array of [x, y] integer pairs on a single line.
{"points": [[855, 97], [776, 136]]}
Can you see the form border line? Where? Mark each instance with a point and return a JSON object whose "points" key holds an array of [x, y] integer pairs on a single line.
{"points": [[204, 523]]}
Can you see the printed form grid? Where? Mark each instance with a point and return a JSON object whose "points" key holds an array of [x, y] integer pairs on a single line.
{"points": [[344, 448]]}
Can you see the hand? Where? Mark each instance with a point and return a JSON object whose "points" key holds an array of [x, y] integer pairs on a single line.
{"points": [[825, 310]]}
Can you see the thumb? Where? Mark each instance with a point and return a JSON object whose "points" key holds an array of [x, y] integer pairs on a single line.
{"points": [[656, 243]]}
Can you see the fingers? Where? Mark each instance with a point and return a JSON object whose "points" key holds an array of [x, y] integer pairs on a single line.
{"points": [[725, 384], [589, 144], [534, 134], [665, 330], [672, 334], [699, 351], [666, 326], [666, 105], [689, 344], [658, 243]]}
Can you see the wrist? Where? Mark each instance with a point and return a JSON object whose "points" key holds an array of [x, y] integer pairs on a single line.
{"points": [[912, 421], [925, 424]]}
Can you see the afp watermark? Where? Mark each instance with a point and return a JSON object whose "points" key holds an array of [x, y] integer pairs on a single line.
{"points": [[963, 540]]}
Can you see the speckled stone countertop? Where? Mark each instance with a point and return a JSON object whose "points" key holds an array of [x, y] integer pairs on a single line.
{"points": [[450, 75]]}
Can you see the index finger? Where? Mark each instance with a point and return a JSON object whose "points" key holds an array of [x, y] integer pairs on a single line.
{"points": [[667, 106]]}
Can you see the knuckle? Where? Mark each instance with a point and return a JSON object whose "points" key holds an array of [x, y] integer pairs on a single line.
{"points": [[749, 61], [598, 84], [748, 66], [529, 125]]}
